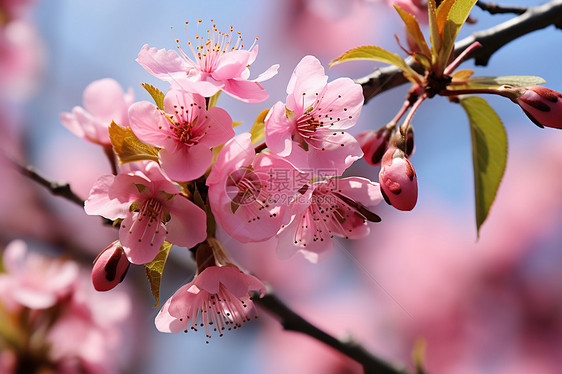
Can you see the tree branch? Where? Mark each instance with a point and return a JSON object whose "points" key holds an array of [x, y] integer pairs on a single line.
{"points": [[291, 321], [492, 39], [57, 189], [494, 8]]}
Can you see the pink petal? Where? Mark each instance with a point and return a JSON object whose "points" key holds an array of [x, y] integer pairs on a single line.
{"points": [[102, 202], [268, 74], [188, 224], [335, 156], [234, 279], [278, 130], [360, 189], [246, 91], [196, 83], [187, 163], [141, 238], [149, 124], [163, 64], [13, 258], [193, 104], [231, 65], [237, 152], [217, 128], [157, 180], [308, 78], [165, 322], [343, 99], [105, 100]]}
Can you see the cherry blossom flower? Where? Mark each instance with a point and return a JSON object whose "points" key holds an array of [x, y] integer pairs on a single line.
{"points": [[104, 101], [542, 105], [110, 267], [152, 210], [399, 184], [219, 63], [249, 193], [218, 298], [334, 207], [313, 118], [185, 131], [33, 281]]}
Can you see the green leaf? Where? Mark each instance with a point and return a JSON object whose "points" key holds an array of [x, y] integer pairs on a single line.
{"points": [[213, 100], [155, 269], [128, 147], [257, 131], [496, 82], [374, 53], [413, 28], [157, 95], [489, 153], [434, 35]]}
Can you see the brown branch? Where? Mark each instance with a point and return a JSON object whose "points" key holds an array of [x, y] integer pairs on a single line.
{"points": [[494, 8], [291, 321], [57, 189], [492, 39]]}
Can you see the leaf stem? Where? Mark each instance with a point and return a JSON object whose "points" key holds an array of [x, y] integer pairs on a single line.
{"points": [[461, 57]]}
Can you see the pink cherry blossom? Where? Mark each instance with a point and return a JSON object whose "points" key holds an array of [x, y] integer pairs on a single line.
{"points": [[33, 281], [219, 63], [542, 105], [152, 210], [104, 101], [334, 207], [249, 193], [110, 267], [399, 185], [313, 118], [185, 131], [218, 298]]}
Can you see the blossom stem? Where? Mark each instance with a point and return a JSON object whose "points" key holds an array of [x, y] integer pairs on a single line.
{"points": [[408, 119], [108, 150], [405, 106], [460, 58]]}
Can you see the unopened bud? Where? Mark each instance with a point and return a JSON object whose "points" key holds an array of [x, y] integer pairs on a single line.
{"points": [[542, 105], [110, 267], [397, 178], [374, 144]]}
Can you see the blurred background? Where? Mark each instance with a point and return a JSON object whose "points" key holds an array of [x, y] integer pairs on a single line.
{"points": [[490, 305]]}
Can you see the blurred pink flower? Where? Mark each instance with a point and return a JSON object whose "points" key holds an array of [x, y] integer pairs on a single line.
{"points": [[219, 63], [33, 281], [250, 194], [185, 131], [104, 101], [21, 59], [313, 118], [218, 298], [334, 207], [152, 210]]}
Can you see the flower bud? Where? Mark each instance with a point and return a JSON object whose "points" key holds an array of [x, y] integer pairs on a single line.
{"points": [[110, 267], [542, 105], [374, 144], [397, 178]]}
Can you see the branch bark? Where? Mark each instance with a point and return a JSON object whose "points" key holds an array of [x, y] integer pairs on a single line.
{"points": [[492, 39], [494, 8], [291, 321]]}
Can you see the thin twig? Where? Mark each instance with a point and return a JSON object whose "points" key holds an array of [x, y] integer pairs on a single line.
{"points": [[494, 8], [57, 189], [291, 321], [492, 39]]}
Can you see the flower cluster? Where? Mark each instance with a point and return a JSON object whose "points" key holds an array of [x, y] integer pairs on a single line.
{"points": [[184, 172], [51, 319]]}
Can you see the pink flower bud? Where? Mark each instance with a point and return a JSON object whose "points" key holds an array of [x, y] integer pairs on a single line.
{"points": [[399, 185], [542, 105], [110, 267], [374, 144]]}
